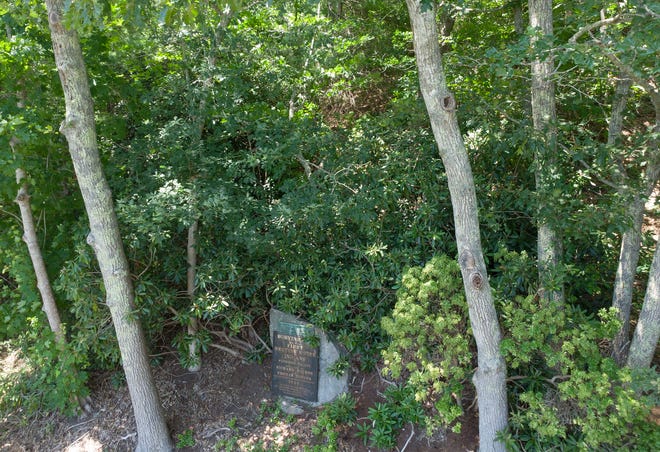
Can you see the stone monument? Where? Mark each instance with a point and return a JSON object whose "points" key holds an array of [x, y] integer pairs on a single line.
{"points": [[300, 369]]}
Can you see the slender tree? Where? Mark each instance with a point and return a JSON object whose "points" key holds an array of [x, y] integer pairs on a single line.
{"points": [[544, 116], [194, 348], [49, 305], [30, 239], [634, 191], [631, 239], [79, 129], [490, 377], [647, 331]]}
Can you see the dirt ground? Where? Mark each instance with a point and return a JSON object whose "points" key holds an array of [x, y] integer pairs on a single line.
{"points": [[226, 406]]}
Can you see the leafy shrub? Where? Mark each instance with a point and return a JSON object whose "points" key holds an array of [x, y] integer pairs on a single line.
{"points": [[185, 439], [566, 394], [430, 347], [332, 416], [49, 381], [388, 418]]}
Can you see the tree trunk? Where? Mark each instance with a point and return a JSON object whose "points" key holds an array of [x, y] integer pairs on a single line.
{"points": [[619, 102], [631, 240], [104, 237], [544, 116], [490, 377], [645, 338], [518, 21], [647, 331], [194, 350], [30, 239]]}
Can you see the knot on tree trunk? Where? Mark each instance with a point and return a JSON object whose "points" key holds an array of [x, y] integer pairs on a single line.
{"points": [[449, 102], [466, 260], [469, 267], [68, 125], [91, 241], [476, 279]]}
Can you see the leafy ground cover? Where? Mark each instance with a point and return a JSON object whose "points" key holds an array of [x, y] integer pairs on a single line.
{"points": [[226, 406]]}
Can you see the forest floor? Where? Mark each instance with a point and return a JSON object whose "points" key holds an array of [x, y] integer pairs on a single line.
{"points": [[226, 406]]}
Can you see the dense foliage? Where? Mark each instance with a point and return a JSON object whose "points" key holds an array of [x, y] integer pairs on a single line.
{"points": [[430, 339], [293, 132]]}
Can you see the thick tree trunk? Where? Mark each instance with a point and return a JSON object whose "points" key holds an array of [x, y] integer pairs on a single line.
{"points": [[30, 239], [544, 116], [194, 349], [647, 331], [104, 237], [490, 377]]}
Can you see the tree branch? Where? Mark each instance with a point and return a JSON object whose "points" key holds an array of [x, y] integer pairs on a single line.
{"points": [[601, 23]]}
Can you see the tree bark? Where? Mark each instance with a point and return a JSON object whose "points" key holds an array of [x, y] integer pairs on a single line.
{"points": [[104, 237], [30, 239], [194, 350], [647, 331], [518, 21], [544, 116], [631, 239], [490, 377], [645, 338]]}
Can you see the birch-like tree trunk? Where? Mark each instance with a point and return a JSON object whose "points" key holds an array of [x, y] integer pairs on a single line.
{"points": [[544, 116], [647, 331], [104, 237], [631, 239], [194, 349], [490, 377], [30, 238], [650, 165], [199, 120]]}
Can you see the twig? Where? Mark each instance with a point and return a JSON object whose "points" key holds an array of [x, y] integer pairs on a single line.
{"points": [[79, 438], [16, 217], [78, 425], [412, 433], [130, 435], [552, 381], [383, 379], [260, 339], [208, 435], [245, 346], [151, 259], [557, 378], [231, 351]]}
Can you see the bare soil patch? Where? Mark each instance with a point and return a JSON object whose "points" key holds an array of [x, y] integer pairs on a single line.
{"points": [[226, 406]]}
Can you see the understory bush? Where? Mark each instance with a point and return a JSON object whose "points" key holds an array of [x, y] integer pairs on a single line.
{"points": [[386, 419], [49, 379], [563, 393], [430, 348], [333, 416]]}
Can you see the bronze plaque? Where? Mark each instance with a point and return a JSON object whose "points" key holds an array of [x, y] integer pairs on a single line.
{"points": [[295, 367]]}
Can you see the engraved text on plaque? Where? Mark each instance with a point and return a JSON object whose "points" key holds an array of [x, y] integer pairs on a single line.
{"points": [[295, 367]]}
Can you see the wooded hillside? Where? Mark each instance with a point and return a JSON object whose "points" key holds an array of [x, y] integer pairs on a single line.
{"points": [[460, 193]]}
